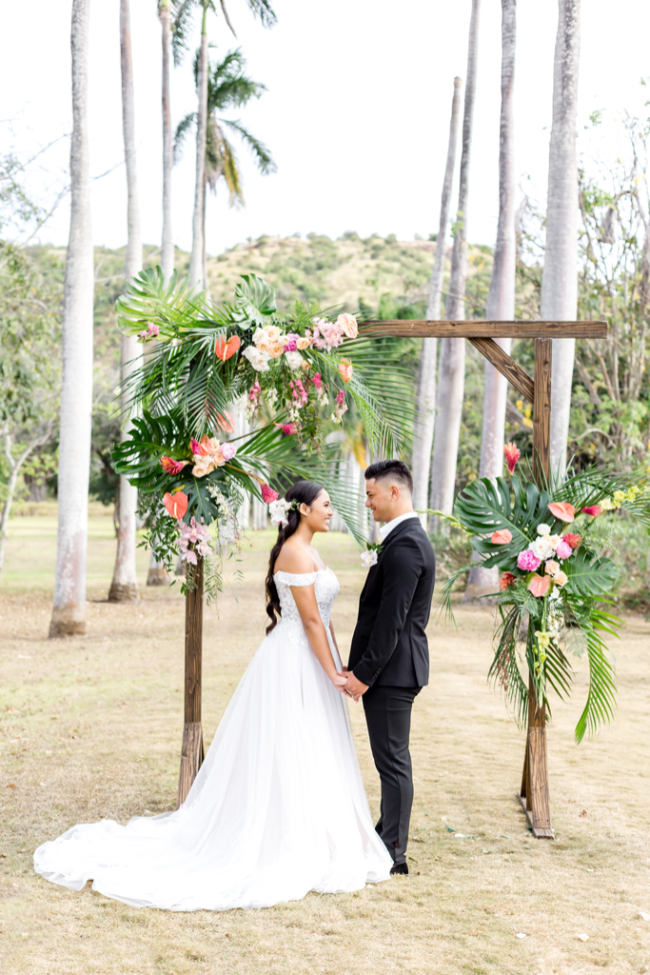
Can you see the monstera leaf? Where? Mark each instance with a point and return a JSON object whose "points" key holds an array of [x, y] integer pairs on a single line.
{"points": [[254, 301], [589, 575], [138, 457], [485, 507]]}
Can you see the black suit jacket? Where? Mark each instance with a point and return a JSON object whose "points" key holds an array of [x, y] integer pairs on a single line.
{"points": [[389, 645]]}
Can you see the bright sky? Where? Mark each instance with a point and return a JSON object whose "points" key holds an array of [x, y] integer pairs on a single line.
{"points": [[356, 113]]}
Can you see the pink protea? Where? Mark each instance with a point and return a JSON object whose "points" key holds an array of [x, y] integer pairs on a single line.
{"points": [[268, 494], [573, 540], [527, 561], [512, 455]]}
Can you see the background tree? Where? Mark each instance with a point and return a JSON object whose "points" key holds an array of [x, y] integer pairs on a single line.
{"points": [[184, 10], [124, 586], [501, 297], [30, 368], [228, 87], [560, 278], [451, 368], [69, 611], [426, 389], [167, 250]]}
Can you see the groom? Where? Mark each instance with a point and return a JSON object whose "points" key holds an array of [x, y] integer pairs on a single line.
{"points": [[389, 656]]}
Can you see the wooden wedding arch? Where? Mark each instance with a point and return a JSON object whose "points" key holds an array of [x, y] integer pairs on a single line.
{"points": [[534, 794]]}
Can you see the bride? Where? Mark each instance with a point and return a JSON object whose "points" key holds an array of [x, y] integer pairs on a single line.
{"points": [[278, 807]]}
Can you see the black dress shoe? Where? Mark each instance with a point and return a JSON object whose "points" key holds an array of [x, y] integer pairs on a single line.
{"points": [[399, 868]]}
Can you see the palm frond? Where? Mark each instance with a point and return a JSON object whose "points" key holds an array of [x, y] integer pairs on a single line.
{"points": [[262, 154], [180, 135]]}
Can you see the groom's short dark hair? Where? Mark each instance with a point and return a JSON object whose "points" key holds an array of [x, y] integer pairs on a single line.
{"points": [[395, 469]]}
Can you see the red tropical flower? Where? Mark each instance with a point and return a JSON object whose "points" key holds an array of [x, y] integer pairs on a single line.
{"points": [[225, 348], [512, 455], [176, 504], [171, 466], [197, 448], [573, 540], [268, 494], [593, 509], [506, 580]]}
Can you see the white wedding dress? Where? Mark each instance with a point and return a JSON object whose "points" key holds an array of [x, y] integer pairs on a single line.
{"points": [[278, 807]]}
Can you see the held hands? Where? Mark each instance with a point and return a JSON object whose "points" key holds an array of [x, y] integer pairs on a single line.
{"points": [[353, 687]]}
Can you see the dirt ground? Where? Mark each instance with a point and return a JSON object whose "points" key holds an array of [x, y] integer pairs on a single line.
{"points": [[91, 728]]}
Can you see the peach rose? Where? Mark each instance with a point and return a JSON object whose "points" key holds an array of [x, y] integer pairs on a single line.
{"points": [[348, 324], [276, 349], [272, 333], [302, 343]]}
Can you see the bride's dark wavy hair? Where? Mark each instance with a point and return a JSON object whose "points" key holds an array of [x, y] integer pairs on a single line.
{"points": [[304, 492]]}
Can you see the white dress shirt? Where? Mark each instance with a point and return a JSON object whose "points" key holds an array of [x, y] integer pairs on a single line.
{"points": [[386, 529]]}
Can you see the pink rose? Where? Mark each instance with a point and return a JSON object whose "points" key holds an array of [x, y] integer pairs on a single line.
{"points": [[228, 451], [268, 494], [563, 551], [527, 561]]}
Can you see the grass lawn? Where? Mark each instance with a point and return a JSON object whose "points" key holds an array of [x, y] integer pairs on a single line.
{"points": [[91, 728]]}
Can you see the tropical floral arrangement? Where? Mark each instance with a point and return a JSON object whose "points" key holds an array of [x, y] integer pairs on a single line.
{"points": [[293, 375], [542, 541]]}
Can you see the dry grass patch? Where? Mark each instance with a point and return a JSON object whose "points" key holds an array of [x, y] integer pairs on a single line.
{"points": [[91, 728]]}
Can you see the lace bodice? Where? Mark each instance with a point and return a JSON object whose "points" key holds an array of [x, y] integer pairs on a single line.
{"points": [[325, 584]]}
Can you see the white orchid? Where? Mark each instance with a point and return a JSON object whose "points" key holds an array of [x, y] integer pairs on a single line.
{"points": [[369, 558], [279, 511]]}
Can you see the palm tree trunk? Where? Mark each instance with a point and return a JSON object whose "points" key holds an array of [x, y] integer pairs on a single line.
{"points": [[69, 610], [501, 297], [426, 390], [196, 258], [167, 257], [451, 369], [560, 277], [124, 587]]}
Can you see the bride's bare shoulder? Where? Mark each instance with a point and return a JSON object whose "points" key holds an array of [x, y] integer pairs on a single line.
{"points": [[294, 558]]}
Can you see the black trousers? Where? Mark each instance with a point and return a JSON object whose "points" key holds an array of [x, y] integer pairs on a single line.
{"points": [[388, 716]]}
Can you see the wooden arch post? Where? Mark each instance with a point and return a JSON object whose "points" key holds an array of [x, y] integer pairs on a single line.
{"points": [[534, 795], [192, 749]]}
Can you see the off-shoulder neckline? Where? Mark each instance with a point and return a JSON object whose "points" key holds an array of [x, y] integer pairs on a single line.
{"points": [[314, 572]]}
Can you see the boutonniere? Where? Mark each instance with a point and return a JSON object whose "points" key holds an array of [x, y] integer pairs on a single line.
{"points": [[370, 556]]}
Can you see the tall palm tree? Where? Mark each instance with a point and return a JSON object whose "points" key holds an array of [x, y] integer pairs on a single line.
{"points": [[167, 255], [501, 296], [425, 405], [451, 369], [124, 586], [560, 277], [228, 87], [183, 10], [69, 611], [157, 575]]}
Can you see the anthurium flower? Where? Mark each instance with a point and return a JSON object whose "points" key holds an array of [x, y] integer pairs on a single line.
{"points": [[225, 348], [268, 494], [226, 423], [171, 466], [345, 371], [512, 455], [503, 537], [539, 585], [573, 540], [198, 449], [562, 510], [592, 509], [506, 580], [176, 504]]}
